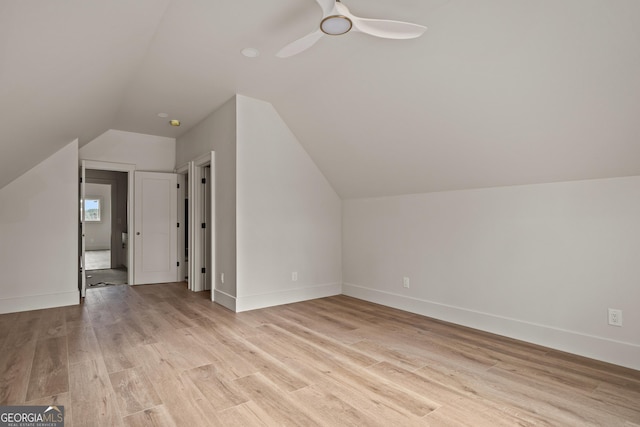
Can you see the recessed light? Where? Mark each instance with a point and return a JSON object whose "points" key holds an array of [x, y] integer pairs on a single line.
{"points": [[175, 122], [163, 115], [250, 52]]}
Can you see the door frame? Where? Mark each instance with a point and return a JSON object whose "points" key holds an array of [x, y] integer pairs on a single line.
{"points": [[82, 279], [197, 213], [184, 174], [129, 169]]}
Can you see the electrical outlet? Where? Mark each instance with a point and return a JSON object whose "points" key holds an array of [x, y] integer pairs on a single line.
{"points": [[615, 317], [294, 276], [221, 277], [405, 282]]}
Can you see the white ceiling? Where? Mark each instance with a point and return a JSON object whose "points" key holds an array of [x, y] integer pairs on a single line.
{"points": [[497, 92]]}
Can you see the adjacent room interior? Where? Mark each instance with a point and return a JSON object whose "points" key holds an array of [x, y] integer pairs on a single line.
{"points": [[106, 228]]}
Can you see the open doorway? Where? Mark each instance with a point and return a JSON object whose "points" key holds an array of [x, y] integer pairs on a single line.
{"points": [[184, 214], [106, 228], [203, 230], [196, 242], [205, 239]]}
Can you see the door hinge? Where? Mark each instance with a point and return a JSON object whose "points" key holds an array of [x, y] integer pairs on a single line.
{"points": [[204, 270], [178, 225], [178, 264], [178, 185], [80, 179], [204, 180], [204, 225]]}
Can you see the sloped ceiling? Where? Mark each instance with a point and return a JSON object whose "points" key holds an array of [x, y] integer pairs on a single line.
{"points": [[497, 92]]}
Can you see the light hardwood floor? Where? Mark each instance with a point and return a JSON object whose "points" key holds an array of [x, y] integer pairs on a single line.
{"points": [[160, 355]]}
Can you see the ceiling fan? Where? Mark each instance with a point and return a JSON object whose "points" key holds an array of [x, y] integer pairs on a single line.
{"points": [[337, 20]]}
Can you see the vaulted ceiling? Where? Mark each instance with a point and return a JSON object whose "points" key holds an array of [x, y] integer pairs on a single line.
{"points": [[496, 92]]}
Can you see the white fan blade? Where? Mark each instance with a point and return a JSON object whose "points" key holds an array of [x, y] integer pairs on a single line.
{"points": [[326, 6], [299, 45], [387, 29]]}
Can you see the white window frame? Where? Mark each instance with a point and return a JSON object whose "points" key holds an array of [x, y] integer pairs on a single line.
{"points": [[100, 208]]}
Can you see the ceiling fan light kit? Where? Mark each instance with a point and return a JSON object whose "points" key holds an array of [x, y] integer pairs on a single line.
{"points": [[337, 20], [336, 25]]}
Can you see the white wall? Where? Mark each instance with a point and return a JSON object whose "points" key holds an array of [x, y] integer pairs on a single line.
{"points": [[39, 235], [288, 216], [217, 133], [98, 234], [541, 263], [148, 152]]}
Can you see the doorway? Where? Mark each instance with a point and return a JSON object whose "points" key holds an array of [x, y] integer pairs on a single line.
{"points": [[120, 220], [203, 230], [106, 228], [197, 242], [184, 222], [205, 238]]}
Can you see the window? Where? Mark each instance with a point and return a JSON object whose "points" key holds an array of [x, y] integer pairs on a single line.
{"points": [[92, 209]]}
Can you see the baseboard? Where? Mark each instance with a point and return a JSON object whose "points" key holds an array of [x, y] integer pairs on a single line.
{"points": [[253, 302], [38, 302], [606, 350], [224, 299]]}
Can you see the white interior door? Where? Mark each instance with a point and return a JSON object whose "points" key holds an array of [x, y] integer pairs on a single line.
{"points": [[198, 256], [183, 268], [155, 227], [203, 226], [206, 240], [83, 270]]}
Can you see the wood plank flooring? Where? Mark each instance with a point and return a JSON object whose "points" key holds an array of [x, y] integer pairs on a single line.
{"points": [[163, 356]]}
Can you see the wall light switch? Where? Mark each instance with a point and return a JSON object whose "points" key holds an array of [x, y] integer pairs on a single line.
{"points": [[405, 282], [294, 276]]}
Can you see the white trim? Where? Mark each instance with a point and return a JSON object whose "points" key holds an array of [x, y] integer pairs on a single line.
{"points": [[224, 299], [213, 274], [182, 170], [82, 271], [616, 352], [195, 277], [196, 218], [203, 160], [287, 296], [109, 166], [38, 302]]}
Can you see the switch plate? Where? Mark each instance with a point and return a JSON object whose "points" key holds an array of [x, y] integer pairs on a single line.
{"points": [[615, 317], [221, 277], [294, 276], [405, 282]]}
